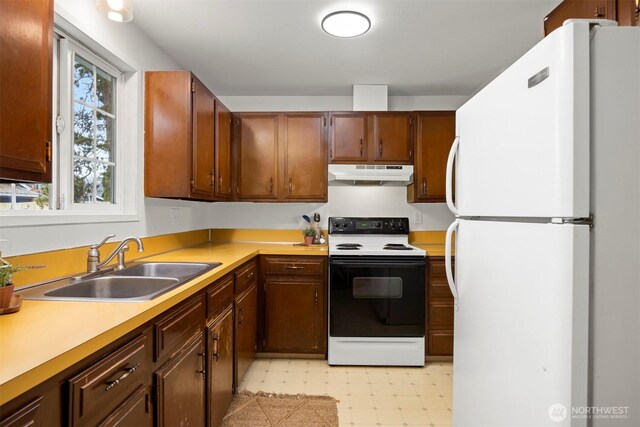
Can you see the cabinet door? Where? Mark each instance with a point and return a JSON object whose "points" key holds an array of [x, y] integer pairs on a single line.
{"points": [[348, 138], [26, 70], [435, 132], [246, 330], [180, 387], [220, 350], [293, 315], [305, 157], [579, 9], [257, 170], [203, 141], [167, 134], [222, 177], [391, 140], [628, 12]]}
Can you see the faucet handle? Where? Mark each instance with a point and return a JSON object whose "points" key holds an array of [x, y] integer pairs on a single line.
{"points": [[103, 242]]}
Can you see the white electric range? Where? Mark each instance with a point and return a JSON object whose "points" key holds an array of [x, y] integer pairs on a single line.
{"points": [[376, 293]]}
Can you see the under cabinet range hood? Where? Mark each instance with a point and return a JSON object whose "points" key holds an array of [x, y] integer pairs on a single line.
{"points": [[398, 175]]}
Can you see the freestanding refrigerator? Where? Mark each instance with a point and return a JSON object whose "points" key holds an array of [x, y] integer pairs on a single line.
{"points": [[547, 236]]}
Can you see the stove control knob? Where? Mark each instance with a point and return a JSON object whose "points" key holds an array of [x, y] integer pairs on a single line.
{"points": [[392, 224], [378, 224]]}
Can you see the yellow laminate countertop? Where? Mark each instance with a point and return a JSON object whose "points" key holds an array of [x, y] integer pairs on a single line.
{"points": [[46, 337]]}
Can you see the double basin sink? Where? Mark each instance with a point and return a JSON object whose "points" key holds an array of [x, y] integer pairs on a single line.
{"points": [[141, 282]]}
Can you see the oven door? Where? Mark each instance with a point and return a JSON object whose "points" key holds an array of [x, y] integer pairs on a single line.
{"points": [[376, 296]]}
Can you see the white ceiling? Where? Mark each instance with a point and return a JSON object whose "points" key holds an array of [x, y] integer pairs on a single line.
{"points": [[276, 47]]}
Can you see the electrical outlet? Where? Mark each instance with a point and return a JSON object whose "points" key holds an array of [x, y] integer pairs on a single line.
{"points": [[5, 247], [417, 217], [175, 216]]}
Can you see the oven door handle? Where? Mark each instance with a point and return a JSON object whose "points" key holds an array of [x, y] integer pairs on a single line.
{"points": [[447, 261], [379, 264]]}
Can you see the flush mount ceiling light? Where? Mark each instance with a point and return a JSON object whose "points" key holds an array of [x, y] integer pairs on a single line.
{"points": [[346, 23], [116, 10]]}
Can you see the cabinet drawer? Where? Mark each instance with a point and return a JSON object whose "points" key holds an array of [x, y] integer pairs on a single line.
{"points": [[295, 266], [437, 268], [99, 389], [440, 313], [174, 329], [439, 288], [132, 412], [29, 415], [220, 295], [246, 276], [441, 343]]}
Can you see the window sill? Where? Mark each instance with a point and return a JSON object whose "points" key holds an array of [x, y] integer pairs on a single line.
{"points": [[24, 218]]}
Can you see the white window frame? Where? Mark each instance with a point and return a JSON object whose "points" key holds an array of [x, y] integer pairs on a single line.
{"points": [[68, 50], [128, 155]]}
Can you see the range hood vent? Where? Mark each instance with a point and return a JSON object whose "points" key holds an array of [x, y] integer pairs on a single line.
{"points": [[393, 175]]}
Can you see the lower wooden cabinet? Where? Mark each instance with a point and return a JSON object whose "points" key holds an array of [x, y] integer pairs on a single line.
{"points": [[180, 387], [220, 363], [439, 310], [294, 310], [246, 306], [101, 391]]}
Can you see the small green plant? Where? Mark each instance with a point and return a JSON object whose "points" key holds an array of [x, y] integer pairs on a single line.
{"points": [[309, 232], [7, 270]]}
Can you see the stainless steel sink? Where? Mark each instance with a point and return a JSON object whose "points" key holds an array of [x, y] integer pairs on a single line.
{"points": [[111, 287], [140, 282], [177, 270]]}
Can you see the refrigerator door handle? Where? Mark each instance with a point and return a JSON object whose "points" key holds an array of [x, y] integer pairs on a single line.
{"points": [[447, 261], [449, 177]]}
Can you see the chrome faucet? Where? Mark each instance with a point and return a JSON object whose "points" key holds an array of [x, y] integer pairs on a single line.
{"points": [[93, 256]]}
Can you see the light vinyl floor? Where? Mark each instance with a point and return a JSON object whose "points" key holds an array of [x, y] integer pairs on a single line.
{"points": [[368, 396]]}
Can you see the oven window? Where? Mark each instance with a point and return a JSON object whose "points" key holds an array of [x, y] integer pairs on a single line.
{"points": [[376, 298], [377, 287]]}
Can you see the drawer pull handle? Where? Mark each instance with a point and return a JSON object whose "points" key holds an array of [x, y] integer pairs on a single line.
{"points": [[250, 275], [125, 374], [294, 267]]}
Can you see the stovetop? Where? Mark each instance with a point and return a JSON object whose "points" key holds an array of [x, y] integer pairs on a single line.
{"points": [[371, 236]]}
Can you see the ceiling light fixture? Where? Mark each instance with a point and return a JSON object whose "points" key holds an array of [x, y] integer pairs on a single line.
{"points": [[346, 23], [116, 10]]}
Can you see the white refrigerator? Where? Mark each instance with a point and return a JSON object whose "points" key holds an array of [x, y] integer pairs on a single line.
{"points": [[547, 236]]}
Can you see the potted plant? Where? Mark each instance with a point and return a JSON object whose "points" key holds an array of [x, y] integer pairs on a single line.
{"points": [[309, 233], [6, 281]]}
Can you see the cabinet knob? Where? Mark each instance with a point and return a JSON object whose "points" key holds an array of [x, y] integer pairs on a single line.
{"points": [[290, 185], [361, 147], [271, 185], [380, 147], [424, 185]]}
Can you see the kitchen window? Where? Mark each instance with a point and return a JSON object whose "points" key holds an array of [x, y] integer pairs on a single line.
{"points": [[91, 163]]}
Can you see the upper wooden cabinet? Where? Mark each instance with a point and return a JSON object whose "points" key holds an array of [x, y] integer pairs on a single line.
{"points": [[348, 138], [304, 159], [257, 158], [377, 137], [434, 134], [223, 135], [26, 73], [281, 157], [390, 137], [626, 12], [179, 136]]}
